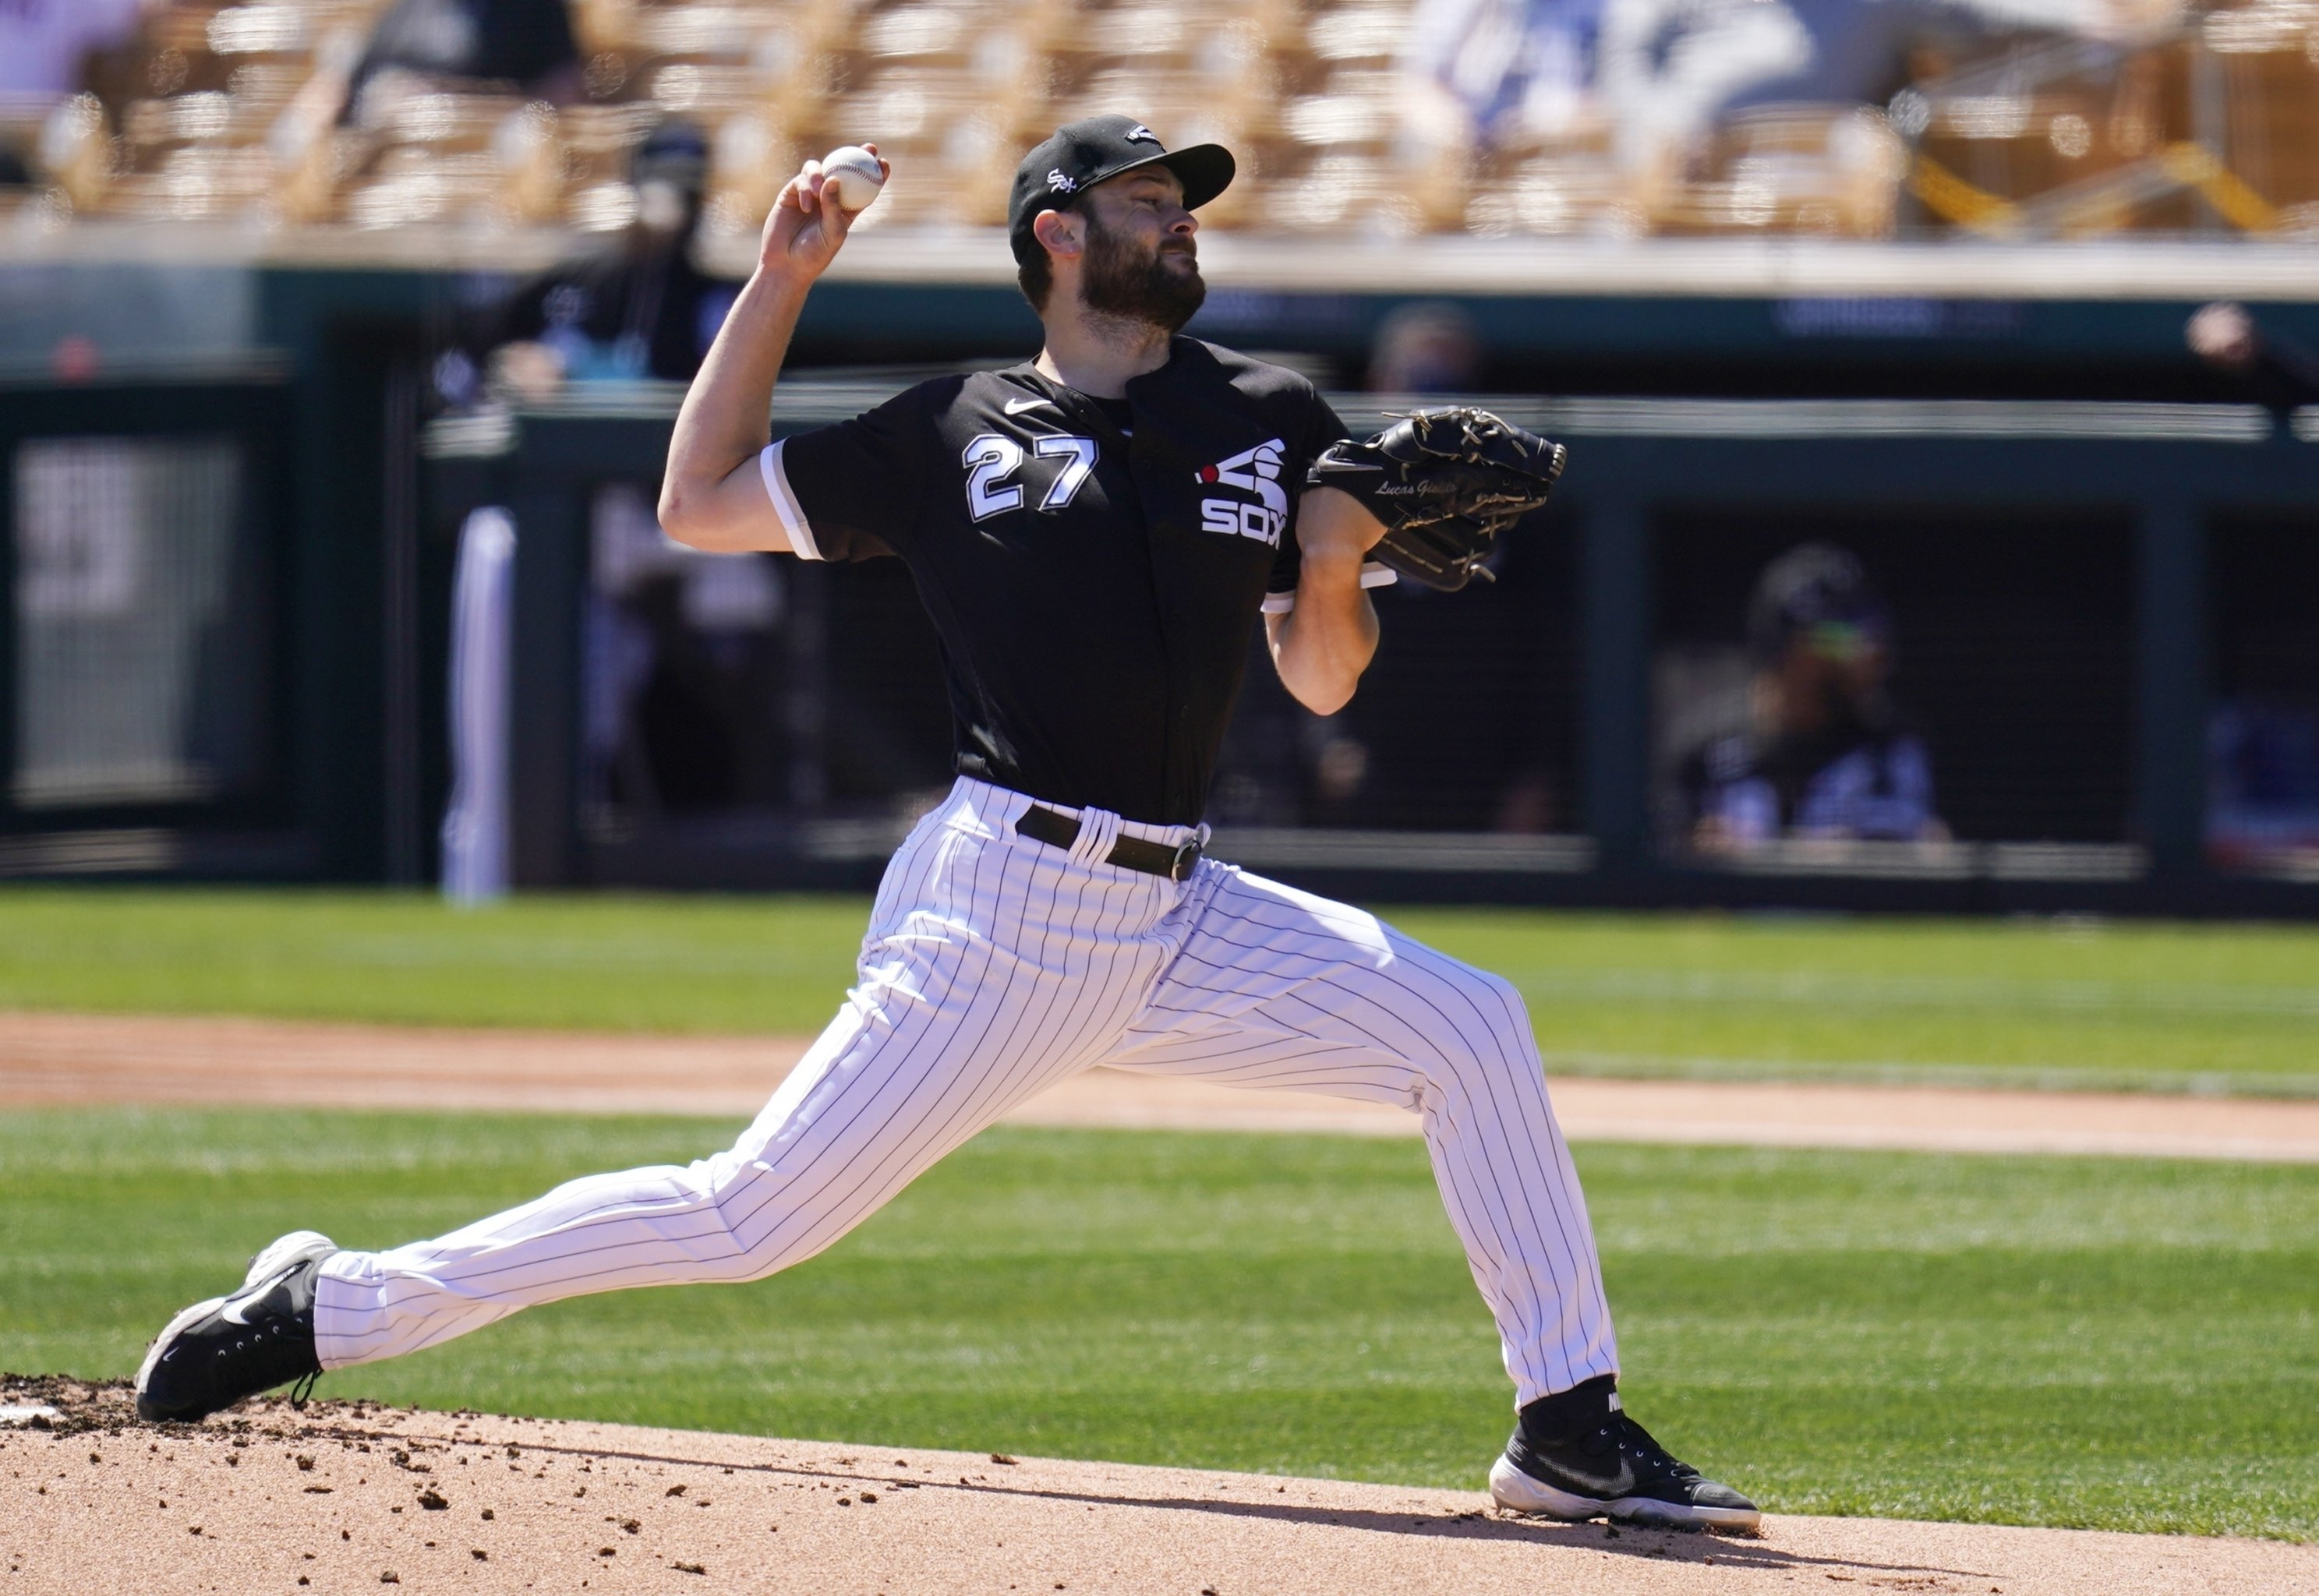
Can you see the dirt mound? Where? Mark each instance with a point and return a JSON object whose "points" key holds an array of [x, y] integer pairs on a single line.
{"points": [[344, 1496]]}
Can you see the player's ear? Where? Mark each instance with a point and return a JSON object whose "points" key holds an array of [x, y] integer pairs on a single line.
{"points": [[1061, 232]]}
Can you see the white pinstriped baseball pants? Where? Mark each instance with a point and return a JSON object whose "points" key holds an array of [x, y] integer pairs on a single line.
{"points": [[994, 967]]}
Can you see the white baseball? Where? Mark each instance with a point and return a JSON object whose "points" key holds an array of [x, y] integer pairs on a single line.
{"points": [[852, 177]]}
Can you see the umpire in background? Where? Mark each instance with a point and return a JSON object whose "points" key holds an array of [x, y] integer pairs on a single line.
{"points": [[1095, 534]]}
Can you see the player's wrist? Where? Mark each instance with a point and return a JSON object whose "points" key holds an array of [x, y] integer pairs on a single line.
{"points": [[781, 279], [1335, 564], [768, 306]]}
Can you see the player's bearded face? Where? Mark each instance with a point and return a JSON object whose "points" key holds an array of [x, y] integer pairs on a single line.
{"points": [[1157, 282]]}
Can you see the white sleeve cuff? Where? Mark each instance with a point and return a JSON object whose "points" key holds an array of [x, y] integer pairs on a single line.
{"points": [[1373, 575], [785, 504]]}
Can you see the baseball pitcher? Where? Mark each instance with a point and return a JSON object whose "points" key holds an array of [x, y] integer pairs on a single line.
{"points": [[1096, 533]]}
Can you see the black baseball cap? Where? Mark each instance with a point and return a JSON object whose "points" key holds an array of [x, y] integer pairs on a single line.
{"points": [[675, 150], [1085, 153], [1817, 592]]}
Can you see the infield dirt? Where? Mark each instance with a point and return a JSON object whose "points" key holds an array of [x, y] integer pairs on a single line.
{"points": [[344, 1496], [72, 1059]]}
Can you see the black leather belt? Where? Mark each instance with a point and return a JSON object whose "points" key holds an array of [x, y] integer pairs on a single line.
{"points": [[1043, 824]]}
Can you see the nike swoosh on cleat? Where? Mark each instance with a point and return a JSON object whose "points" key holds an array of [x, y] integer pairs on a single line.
{"points": [[1623, 1483], [1600, 1487], [236, 1312], [1015, 407]]}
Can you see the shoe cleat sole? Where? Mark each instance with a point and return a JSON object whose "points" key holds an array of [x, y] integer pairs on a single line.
{"points": [[287, 1250], [1518, 1492]]}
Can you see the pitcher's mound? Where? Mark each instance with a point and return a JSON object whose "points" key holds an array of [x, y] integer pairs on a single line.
{"points": [[344, 1496]]}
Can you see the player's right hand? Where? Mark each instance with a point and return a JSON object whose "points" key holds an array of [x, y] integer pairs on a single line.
{"points": [[804, 232]]}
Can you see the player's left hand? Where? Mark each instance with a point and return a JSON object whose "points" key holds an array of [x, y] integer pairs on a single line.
{"points": [[805, 230]]}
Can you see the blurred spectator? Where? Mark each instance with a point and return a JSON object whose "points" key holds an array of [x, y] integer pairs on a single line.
{"points": [[2262, 781], [1490, 73], [422, 46], [1425, 348], [2271, 368], [1829, 755], [1670, 68], [645, 311], [681, 659], [46, 48], [1859, 48], [45, 44], [427, 46]]}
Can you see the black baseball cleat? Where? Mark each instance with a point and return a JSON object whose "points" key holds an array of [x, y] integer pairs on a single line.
{"points": [[1607, 1466], [216, 1353]]}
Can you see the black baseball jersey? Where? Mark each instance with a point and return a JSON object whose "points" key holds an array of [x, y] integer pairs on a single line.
{"points": [[1093, 583]]}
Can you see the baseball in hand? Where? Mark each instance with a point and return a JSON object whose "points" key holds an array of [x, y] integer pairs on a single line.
{"points": [[851, 175]]}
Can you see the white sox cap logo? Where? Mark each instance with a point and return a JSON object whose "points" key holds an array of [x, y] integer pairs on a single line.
{"points": [[1252, 471], [1062, 182]]}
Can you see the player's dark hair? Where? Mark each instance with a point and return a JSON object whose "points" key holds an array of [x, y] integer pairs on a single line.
{"points": [[1034, 273]]}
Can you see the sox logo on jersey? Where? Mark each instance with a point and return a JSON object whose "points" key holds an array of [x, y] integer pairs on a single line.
{"points": [[1252, 471]]}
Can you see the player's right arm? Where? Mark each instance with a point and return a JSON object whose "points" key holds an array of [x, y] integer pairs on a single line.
{"points": [[713, 497]]}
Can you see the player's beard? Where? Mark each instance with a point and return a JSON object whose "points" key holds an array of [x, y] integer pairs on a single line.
{"points": [[1118, 281]]}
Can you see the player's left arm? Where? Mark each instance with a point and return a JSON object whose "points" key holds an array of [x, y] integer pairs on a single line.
{"points": [[1321, 646]]}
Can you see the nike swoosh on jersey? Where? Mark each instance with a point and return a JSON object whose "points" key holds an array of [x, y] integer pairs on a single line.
{"points": [[1015, 407]]}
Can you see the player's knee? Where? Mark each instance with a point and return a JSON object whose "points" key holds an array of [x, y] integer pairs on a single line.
{"points": [[713, 1182], [1495, 1025], [1496, 999]]}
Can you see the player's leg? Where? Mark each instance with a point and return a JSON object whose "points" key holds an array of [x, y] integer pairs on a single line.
{"points": [[1277, 990], [994, 965]]}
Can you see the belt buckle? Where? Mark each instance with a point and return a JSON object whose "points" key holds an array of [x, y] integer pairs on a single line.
{"points": [[1188, 854]]}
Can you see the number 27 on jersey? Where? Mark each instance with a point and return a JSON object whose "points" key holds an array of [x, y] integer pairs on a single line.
{"points": [[993, 460]]}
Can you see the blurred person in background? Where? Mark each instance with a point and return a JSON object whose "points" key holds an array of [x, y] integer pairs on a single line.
{"points": [[426, 46], [1857, 51], [646, 311], [1425, 348], [45, 44], [1490, 73], [681, 660], [2262, 781], [2268, 368], [1829, 755], [45, 51], [1669, 68]]}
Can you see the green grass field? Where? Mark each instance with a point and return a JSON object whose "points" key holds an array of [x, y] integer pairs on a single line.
{"points": [[2113, 1343], [2127, 1005]]}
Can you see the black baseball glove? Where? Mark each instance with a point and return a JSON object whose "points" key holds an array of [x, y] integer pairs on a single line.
{"points": [[1444, 484]]}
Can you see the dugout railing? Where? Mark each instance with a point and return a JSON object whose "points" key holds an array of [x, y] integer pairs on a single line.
{"points": [[2072, 548]]}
